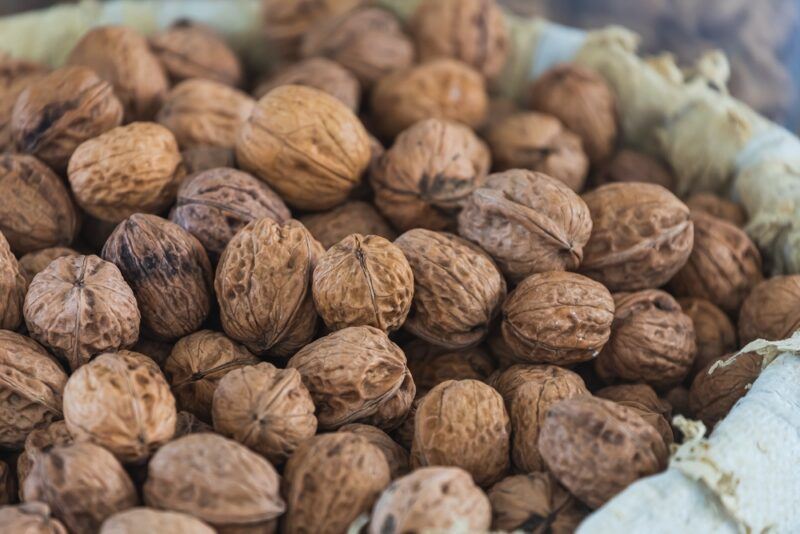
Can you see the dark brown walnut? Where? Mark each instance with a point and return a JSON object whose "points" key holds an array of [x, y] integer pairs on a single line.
{"points": [[508, 381], [33, 263], [215, 204], [557, 317], [266, 408], [463, 423], [596, 447], [714, 332], [188, 423], [31, 388], [61, 110], [724, 265], [428, 174], [645, 401], [135, 168], [641, 236], [12, 288], [196, 365], [37, 211], [15, 76], [678, 399], [720, 384], [431, 365], [205, 158], [31, 518], [396, 455], [189, 49], [431, 499], [82, 483], [458, 290], [652, 340], [584, 102], [354, 217], [718, 207], [442, 89], [319, 73], [139, 520], [363, 281], [8, 484], [528, 222], [535, 503], [263, 285], [367, 41], [40, 439], [216, 480], [771, 311], [306, 145], [122, 56], [168, 271], [632, 166], [540, 143], [356, 375], [498, 348]]}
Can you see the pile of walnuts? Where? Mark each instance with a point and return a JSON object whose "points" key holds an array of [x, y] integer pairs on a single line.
{"points": [[360, 287]]}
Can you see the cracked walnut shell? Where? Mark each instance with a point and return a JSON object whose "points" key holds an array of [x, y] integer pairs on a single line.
{"points": [[720, 384], [714, 332], [30, 518], [140, 520], [319, 73], [354, 217], [771, 311], [396, 455], [13, 287]]}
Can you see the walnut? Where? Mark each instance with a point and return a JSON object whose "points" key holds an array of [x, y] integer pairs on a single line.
{"points": [[189, 49], [356, 375], [122, 56], [40, 439], [263, 285], [425, 178], [330, 480], [596, 448], [30, 518], [718, 207], [652, 340], [130, 169], [306, 145], [452, 311], [529, 223], [557, 317], [632, 166], [80, 306], [645, 401], [12, 288], [196, 365], [363, 281], [771, 311], [139, 520], [33, 263], [535, 503], [678, 399], [442, 88], [368, 41], [216, 480], [431, 365], [584, 102], [404, 434], [354, 217], [508, 381], [432, 499], [30, 391], [61, 110], [82, 483], [15, 76], [641, 236], [473, 31], [721, 383], [396, 455], [319, 73], [714, 332], [215, 204], [723, 267], [187, 423], [204, 158]]}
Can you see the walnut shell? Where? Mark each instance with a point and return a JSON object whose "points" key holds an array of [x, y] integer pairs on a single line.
{"points": [[40, 439], [641, 236], [141, 520], [196, 365], [508, 381], [652, 340], [354, 217], [714, 332], [15, 76], [632, 166], [265, 408], [61, 110], [452, 311], [263, 285], [723, 267], [431, 365], [771, 311], [306, 145], [80, 306], [189, 49], [319, 73], [204, 158], [718, 207], [12, 288], [368, 41], [130, 169], [596, 448], [330, 480], [122, 56], [82, 483], [30, 518], [215, 204], [396, 455], [584, 102], [356, 375], [645, 401], [363, 281], [431, 499], [720, 384], [216, 480], [427, 175], [122, 402], [187, 423], [463, 423], [404, 434], [528, 222], [557, 317], [442, 89], [33, 263]]}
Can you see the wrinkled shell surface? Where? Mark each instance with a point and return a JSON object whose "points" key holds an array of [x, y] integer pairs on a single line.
{"points": [[714, 332], [718, 207], [141, 520], [395, 454], [15, 76], [771, 311], [12, 288], [353, 217], [431, 365], [720, 384], [30, 518], [645, 401], [508, 381], [33, 263], [319, 73], [632, 166], [40, 439]]}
